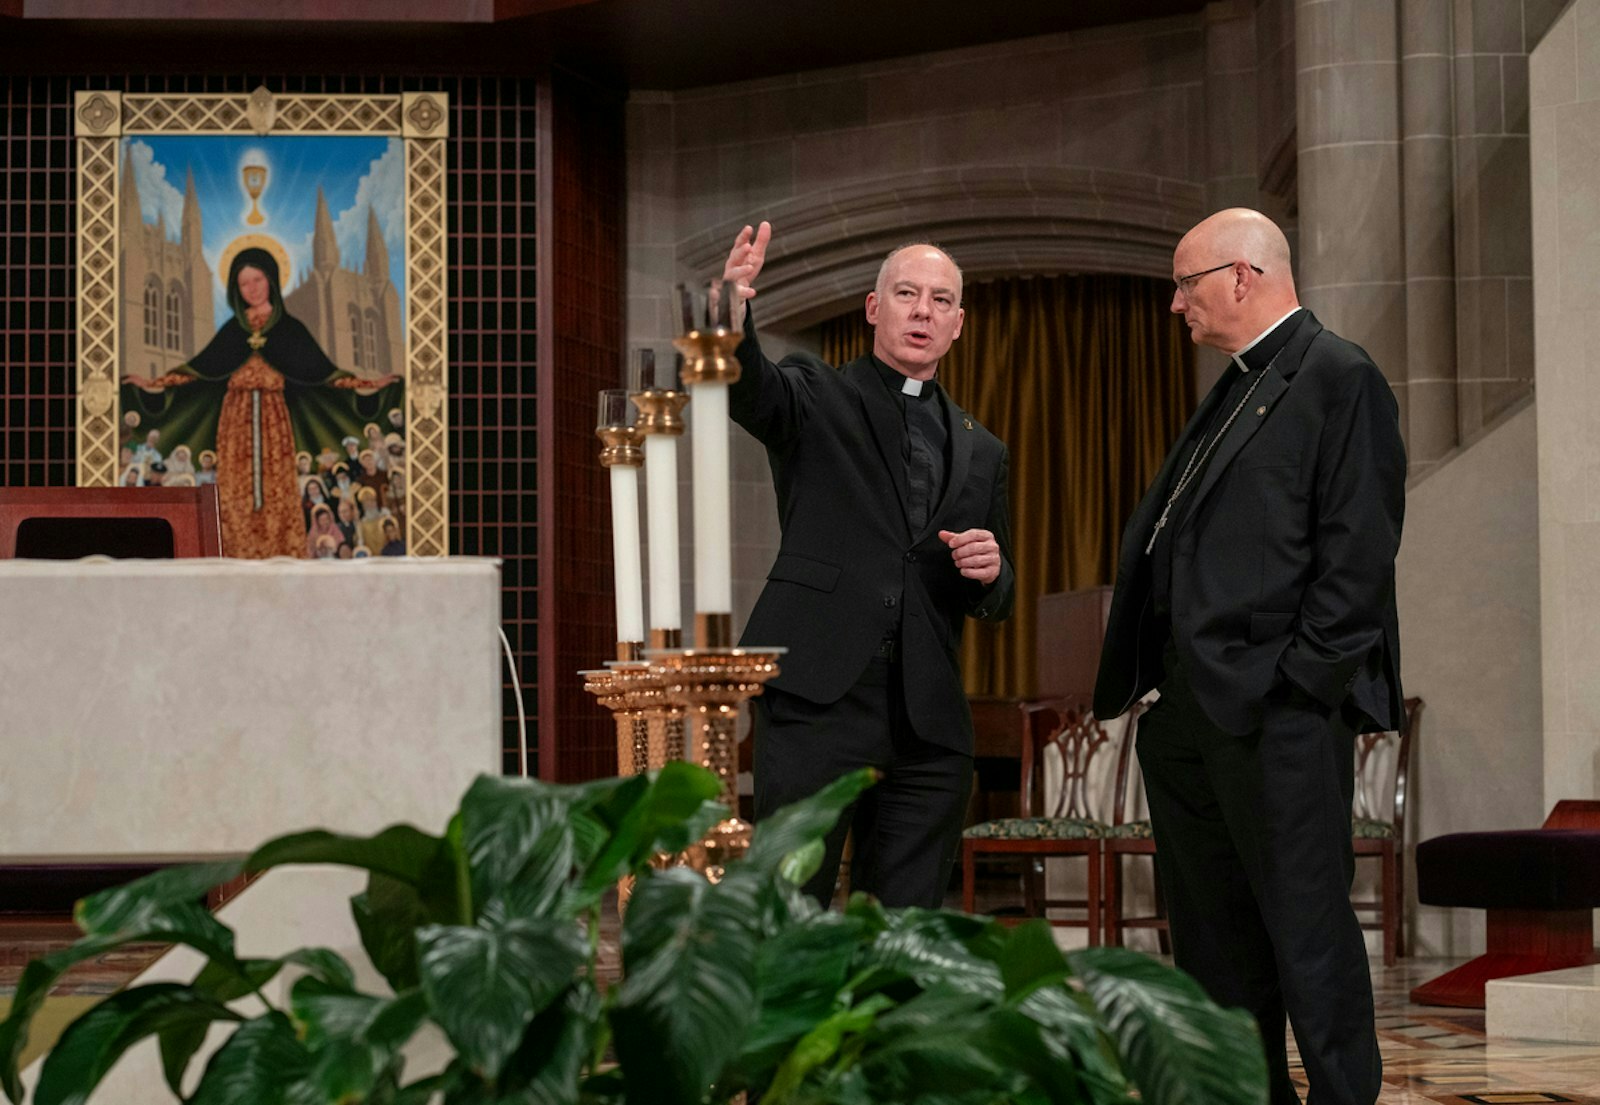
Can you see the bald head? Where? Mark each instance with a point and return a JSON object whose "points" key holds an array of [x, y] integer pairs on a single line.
{"points": [[1241, 233], [920, 250], [1232, 278]]}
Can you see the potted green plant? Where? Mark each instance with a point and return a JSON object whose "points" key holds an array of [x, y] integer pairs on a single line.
{"points": [[739, 987]]}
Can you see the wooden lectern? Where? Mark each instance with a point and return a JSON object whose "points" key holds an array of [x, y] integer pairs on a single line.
{"points": [[68, 523]]}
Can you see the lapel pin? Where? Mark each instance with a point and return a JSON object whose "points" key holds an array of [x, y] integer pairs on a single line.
{"points": [[967, 422], [1260, 411]]}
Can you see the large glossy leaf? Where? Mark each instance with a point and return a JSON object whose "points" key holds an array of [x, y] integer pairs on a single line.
{"points": [[261, 1062], [401, 851], [800, 825], [355, 1039], [800, 971], [1176, 1045], [663, 812], [820, 1044], [135, 904], [228, 981], [687, 998], [387, 915], [933, 948], [328, 1014], [93, 1043], [535, 889], [802, 863], [344, 1071], [182, 923], [179, 1043], [935, 1046], [1030, 958], [484, 985], [549, 1063], [502, 822], [32, 988], [1024, 1045], [1072, 1028], [222, 981]]}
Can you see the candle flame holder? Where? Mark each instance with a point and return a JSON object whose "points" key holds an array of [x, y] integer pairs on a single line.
{"points": [[708, 355], [710, 684]]}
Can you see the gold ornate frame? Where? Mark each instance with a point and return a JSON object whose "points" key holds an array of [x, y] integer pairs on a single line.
{"points": [[420, 118]]}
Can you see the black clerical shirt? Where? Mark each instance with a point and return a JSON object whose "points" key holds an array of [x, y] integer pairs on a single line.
{"points": [[926, 444], [1234, 383]]}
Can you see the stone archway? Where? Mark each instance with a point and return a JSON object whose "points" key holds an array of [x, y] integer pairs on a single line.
{"points": [[996, 221]]}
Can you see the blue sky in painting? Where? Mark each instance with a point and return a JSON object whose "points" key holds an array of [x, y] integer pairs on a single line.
{"points": [[353, 172]]}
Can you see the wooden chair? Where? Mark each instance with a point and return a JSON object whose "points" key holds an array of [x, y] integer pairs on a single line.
{"points": [[1378, 822], [1377, 826], [1062, 731], [1130, 836]]}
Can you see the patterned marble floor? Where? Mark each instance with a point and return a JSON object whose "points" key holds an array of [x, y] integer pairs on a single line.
{"points": [[1435, 1054]]}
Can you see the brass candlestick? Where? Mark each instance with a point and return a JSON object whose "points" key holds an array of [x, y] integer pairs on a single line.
{"points": [[710, 685], [649, 727], [637, 687], [614, 690]]}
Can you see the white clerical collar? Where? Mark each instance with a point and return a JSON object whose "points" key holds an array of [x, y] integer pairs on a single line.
{"points": [[911, 387], [1238, 356]]}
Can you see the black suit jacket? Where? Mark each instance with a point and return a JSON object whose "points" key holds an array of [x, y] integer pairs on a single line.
{"points": [[1283, 553], [849, 569]]}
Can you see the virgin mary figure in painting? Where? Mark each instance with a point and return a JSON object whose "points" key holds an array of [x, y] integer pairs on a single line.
{"points": [[260, 391]]}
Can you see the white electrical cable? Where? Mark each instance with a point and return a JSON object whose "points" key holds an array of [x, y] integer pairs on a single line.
{"points": [[522, 717]]}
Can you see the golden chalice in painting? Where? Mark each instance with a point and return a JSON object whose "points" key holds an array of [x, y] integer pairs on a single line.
{"points": [[255, 182]]}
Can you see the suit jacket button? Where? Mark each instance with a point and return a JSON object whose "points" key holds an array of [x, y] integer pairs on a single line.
{"points": [[911, 557], [889, 601]]}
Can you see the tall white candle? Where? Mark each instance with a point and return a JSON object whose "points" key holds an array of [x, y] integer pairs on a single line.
{"points": [[713, 527], [661, 512], [625, 552]]}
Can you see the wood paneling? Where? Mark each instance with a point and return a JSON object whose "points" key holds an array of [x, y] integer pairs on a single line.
{"points": [[581, 312]]}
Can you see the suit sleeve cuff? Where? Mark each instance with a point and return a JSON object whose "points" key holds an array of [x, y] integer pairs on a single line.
{"points": [[1320, 684]]}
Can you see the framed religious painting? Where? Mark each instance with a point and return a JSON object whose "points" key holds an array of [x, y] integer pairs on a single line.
{"points": [[261, 306]]}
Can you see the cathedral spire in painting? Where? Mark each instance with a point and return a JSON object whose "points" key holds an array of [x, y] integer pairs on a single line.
{"points": [[377, 252], [190, 232], [324, 243], [130, 195]]}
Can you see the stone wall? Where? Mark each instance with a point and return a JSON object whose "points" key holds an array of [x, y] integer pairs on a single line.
{"points": [[1088, 151], [1468, 571], [1566, 274]]}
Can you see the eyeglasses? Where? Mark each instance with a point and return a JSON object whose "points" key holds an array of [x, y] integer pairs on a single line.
{"points": [[1185, 283]]}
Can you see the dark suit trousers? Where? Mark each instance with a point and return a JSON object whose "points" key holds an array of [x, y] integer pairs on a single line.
{"points": [[1253, 845], [908, 826]]}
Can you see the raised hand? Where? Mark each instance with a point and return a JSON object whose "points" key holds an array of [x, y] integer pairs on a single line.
{"points": [[745, 259], [975, 552]]}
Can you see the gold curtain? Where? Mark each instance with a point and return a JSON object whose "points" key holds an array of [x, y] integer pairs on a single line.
{"points": [[1089, 380]]}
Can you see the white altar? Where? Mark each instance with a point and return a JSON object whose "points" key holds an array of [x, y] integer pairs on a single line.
{"points": [[195, 708]]}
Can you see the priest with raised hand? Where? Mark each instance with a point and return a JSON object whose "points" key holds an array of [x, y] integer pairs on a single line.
{"points": [[892, 504]]}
